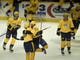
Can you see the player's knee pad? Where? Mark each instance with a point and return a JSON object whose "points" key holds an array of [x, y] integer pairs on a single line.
{"points": [[27, 55], [32, 55], [68, 43], [46, 46], [13, 41], [6, 40], [62, 44]]}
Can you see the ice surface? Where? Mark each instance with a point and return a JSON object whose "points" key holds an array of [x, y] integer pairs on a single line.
{"points": [[53, 52]]}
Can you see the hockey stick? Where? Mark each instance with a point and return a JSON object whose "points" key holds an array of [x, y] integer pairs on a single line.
{"points": [[5, 33], [2, 34], [42, 30], [37, 35], [46, 28]]}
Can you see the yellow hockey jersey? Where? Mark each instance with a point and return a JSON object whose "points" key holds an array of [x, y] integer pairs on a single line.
{"points": [[29, 37], [13, 22], [66, 26], [35, 30], [33, 6]]}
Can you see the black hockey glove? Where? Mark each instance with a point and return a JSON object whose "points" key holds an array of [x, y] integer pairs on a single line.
{"points": [[58, 32], [72, 33], [9, 27], [40, 32]]}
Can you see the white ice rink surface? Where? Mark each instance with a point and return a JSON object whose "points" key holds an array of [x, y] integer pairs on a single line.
{"points": [[53, 52]]}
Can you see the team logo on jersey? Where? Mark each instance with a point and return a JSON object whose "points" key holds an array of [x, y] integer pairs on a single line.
{"points": [[66, 25]]}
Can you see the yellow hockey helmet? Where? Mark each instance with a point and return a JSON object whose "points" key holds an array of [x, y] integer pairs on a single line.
{"points": [[16, 13], [36, 28], [26, 25], [65, 14], [33, 23]]}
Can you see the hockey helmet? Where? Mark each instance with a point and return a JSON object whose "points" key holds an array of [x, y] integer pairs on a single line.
{"points": [[26, 25], [16, 13], [33, 23], [65, 14]]}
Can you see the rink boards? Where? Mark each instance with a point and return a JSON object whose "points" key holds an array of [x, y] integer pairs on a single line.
{"points": [[46, 11]]}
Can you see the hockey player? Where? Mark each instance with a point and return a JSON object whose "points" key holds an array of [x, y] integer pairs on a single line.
{"points": [[13, 25], [38, 40], [65, 29], [61, 2], [74, 12], [29, 18], [71, 5], [28, 42], [32, 8], [15, 6], [30, 45]]}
